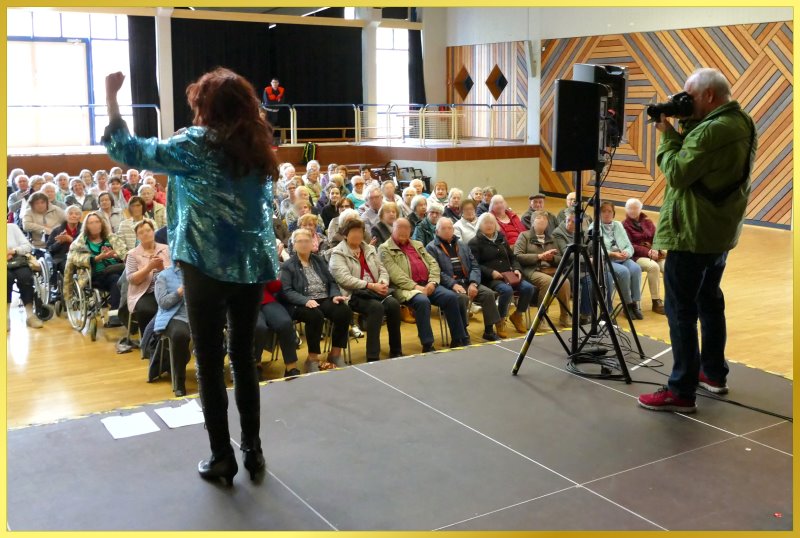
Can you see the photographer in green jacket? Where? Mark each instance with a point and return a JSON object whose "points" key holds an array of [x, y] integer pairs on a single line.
{"points": [[707, 169]]}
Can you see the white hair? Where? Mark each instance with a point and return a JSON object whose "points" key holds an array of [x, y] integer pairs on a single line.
{"points": [[484, 217], [48, 187], [415, 181], [474, 190], [442, 220], [416, 200], [434, 207], [144, 187], [495, 199], [712, 79], [346, 215], [633, 202], [455, 190], [73, 208], [353, 179], [372, 188], [409, 190]]}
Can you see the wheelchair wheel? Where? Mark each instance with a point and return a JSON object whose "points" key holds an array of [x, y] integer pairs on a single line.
{"points": [[93, 328], [58, 308], [76, 308], [43, 311]]}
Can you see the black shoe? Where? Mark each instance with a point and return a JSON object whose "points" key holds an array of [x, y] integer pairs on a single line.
{"points": [[491, 336], [180, 391], [396, 353], [254, 460], [634, 311], [222, 468], [294, 372], [428, 348], [112, 322]]}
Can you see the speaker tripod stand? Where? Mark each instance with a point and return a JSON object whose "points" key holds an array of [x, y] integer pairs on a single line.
{"points": [[574, 258]]}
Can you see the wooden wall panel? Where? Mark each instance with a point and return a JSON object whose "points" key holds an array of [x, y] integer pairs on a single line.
{"points": [[756, 59]]}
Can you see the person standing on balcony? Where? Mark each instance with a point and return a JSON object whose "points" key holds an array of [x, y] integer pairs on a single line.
{"points": [[273, 95]]}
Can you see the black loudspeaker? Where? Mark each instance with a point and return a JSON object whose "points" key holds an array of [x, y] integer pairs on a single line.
{"points": [[616, 78], [577, 125]]}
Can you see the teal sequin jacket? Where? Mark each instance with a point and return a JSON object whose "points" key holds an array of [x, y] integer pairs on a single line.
{"points": [[219, 224]]}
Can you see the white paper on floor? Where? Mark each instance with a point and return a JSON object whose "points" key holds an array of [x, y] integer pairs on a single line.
{"points": [[121, 427], [184, 415]]}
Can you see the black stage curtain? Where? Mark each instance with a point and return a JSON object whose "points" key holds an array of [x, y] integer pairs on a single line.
{"points": [[416, 77], [144, 82]]}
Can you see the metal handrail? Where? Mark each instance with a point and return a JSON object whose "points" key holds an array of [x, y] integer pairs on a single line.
{"points": [[98, 105]]}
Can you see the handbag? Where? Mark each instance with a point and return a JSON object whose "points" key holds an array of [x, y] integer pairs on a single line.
{"points": [[511, 278], [17, 261], [33, 263]]}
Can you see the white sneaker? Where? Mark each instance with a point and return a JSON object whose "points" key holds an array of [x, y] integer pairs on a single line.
{"points": [[356, 332]]}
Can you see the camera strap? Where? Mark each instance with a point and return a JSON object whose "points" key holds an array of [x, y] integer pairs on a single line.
{"points": [[718, 197]]}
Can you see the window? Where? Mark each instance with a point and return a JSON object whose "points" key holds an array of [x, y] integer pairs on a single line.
{"points": [[57, 63], [392, 65]]}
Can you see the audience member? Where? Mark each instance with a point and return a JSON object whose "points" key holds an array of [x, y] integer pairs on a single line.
{"points": [[383, 230], [131, 186], [142, 266], [41, 218], [88, 179], [62, 182], [476, 195], [537, 204], [51, 191], [440, 192], [311, 180], [467, 226], [333, 225], [110, 214], [274, 318], [419, 186], [86, 201], [488, 193], [425, 230], [408, 194], [419, 207], [100, 183], [126, 227], [507, 220], [641, 231], [620, 250], [115, 190], [287, 202], [369, 211], [319, 243], [18, 197], [330, 211], [334, 237], [172, 321], [152, 209], [357, 194], [17, 270], [389, 191], [160, 196], [62, 236], [453, 208]]}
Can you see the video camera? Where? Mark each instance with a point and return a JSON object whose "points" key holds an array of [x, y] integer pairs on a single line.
{"points": [[680, 105]]}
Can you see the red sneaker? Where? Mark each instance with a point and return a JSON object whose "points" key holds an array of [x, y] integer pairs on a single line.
{"points": [[664, 400], [712, 386]]}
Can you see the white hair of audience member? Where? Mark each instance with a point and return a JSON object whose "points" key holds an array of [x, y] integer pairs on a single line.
{"points": [[20, 177], [474, 190], [713, 79], [74, 181], [346, 215], [48, 187], [484, 217], [354, 178], [416, 200], [495, 199], [633, 202], [417, 182], [60, 175], [409, 190], [312, 162], [455, 190], [434, 207], [73, 209], [48, 177], [145, 187], [14, 173], [372, 188], [441, 221]]}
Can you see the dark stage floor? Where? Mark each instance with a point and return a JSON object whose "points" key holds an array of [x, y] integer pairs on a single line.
{"points": [[443, 441]]}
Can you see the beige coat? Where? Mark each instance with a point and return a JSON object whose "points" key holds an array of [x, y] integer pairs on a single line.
{"points": [[78, 258], [396, 263], [346, 269]]}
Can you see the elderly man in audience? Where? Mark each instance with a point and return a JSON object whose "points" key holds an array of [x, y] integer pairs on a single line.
{"points": [[415, 276], [425, 230], [501, 272], [62, 236], [115, 190], [408, 194], [483, 206], [467, 226], [369, 211], [52, 195], [453, 208], [383, 230], [86, 201], [142, 266], [41, 219], [357, 196], [620, 250], [131, 186], [17, 270], [364, 280], [110, 214], [641, 230], [507, 220], [538, 254], [17, 198], [461, 273], [419, 207], [311, 295], [536, 203], [419, 187]]}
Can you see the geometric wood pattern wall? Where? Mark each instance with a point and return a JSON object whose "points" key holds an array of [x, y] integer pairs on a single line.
{"points": [[755, 58]]}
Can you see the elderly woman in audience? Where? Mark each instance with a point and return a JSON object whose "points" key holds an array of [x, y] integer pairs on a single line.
{"points": [[641, 230], [100, 182], [51, 191], [476, 195], [290, 199], [538, 255], [126, 227], [102, 252], [453, 208], [369, 211], [383, 230], [86, 201], [364, 280], [440, 192], [357, 196], [62, 236], [488, 193], [311, 295], [419, 187], [319, 243], [343, 205], [274, 317], [326, 177], [342, 171], [152, 209], [115, 171], [425, 230], [110, 214], [115, 190], [62, 182], [419, 207], [49, 177], [389, 191], [301, 207], [311, 180], [336, 238], [462, 274], [287, 174], [620, 250], [415, 275], [37, 182], [172, 321], [17, 270], [330, 211], [467, 226], [142, 266], [41, 219], [408, 194], [496, 259], [160, 196], [507, 220], [88, 179]]}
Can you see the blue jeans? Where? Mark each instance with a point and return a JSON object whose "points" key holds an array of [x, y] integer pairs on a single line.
{"points": [[506, 295], [629, 275], [691, 285], [446, 300]]}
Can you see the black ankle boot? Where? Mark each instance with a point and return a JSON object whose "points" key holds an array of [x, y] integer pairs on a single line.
{"points": [[254, 459], [222, 468]]}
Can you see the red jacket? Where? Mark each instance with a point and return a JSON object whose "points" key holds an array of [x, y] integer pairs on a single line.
{"points": [[272, 95], [271, 289], [641, 234], [513, 228]]}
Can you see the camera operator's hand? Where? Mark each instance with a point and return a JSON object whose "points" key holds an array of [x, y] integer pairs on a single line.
{"points": [[664, 125]]}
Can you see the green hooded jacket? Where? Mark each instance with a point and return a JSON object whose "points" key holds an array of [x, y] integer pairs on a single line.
{"points": [[704, 160]]}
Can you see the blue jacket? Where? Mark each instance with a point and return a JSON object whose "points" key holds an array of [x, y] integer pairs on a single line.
{"points": [[220, 224], [170, 304], [468, 261]]}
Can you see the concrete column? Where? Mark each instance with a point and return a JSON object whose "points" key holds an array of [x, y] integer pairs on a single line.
{"points": [[164, 69], [369, 65]]}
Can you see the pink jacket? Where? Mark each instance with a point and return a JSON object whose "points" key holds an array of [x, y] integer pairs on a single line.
{"points": [[513, 228], [136, 260]]}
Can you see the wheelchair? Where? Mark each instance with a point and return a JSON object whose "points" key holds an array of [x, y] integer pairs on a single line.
{"points": [[85, 306], [47, 285]]}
